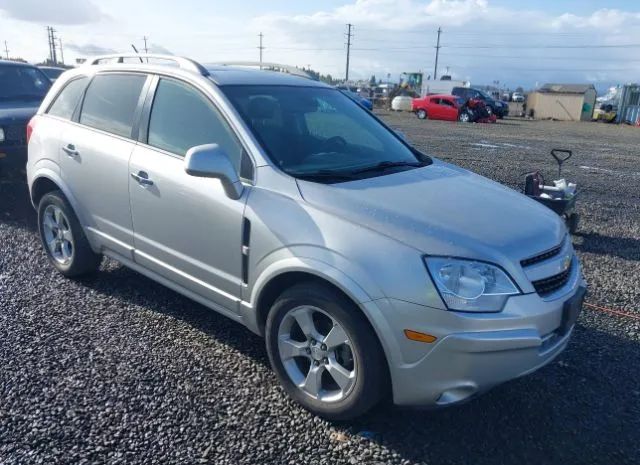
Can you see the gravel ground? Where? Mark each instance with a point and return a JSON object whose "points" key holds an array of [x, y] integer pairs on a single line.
{"points": [[117, 369]]}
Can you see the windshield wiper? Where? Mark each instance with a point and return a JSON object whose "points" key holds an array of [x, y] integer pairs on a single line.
{"points": [[323, 174], [383, 165]]}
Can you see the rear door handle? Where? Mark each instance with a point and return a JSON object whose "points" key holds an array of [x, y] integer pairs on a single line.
{"points": [[70, 150], [142, 178]]}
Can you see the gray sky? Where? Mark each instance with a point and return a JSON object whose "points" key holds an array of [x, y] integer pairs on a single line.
{"points": [[515, 42]]}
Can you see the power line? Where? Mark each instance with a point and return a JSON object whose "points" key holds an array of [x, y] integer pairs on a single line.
{"points": [[349, 35], [435, 69], [494, 46]]}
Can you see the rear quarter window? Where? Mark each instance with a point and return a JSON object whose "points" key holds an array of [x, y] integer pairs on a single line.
{"points": [[67, 100], [111, 101]]}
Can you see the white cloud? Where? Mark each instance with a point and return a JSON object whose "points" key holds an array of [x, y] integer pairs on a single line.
{"points": [[52, 11], [390, 36], [394, 36], [89, 49]]}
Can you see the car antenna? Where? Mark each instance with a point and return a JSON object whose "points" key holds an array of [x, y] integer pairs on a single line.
{"points": [[136, 50]]}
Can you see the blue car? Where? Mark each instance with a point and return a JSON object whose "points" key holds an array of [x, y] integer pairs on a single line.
{"points": [[22, 89], [365, 102]]}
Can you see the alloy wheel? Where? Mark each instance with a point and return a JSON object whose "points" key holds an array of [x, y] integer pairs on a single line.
{"points": [[57, 234], [317, 354]]}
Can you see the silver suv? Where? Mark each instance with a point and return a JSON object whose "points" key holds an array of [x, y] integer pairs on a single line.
{"points": [[371, 268]]}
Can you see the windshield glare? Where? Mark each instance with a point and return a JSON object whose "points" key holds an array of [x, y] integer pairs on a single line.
{"points": [[307, 130]]}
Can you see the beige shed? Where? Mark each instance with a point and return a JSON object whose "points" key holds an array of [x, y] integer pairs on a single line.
{"points": [[565, 102]]}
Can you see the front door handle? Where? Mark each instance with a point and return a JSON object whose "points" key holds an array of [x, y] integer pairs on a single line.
{"points": [[142, 178], [70, 150]]}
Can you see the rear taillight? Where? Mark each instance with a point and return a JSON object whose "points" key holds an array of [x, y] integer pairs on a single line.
{"points": [[30, 127]]}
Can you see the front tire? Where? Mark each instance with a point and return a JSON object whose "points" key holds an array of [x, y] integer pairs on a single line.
{"points": [[324, 352], [421, 114], [63, 238]]}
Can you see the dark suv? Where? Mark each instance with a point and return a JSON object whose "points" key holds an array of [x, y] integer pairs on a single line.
{"points": [[500, 109], [22, 88]]}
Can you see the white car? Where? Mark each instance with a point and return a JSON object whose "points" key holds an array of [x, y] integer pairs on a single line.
{"points": [[517, 97], [401, 103]]}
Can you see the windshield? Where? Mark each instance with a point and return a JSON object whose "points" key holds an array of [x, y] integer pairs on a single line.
{"points": [[22, 83], [484, 95], [314, 130]]}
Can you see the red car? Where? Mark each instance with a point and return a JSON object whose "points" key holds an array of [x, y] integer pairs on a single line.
{"points": [[443, 107]]}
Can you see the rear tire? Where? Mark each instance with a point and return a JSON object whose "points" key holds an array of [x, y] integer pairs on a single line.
{"points": [[335, 381], [63, 238]]}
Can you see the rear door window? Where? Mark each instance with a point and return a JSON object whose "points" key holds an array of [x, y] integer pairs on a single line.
{"points": [[111, 101], [67, 100]]}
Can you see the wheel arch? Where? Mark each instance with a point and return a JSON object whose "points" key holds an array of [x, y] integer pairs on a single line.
{"points": [[279, 283], [271, 284], [46, 180]]}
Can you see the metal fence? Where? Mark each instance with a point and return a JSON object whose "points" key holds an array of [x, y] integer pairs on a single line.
{"points": [[629, 111]]}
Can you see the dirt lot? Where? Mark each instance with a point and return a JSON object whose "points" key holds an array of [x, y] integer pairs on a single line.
{"points": [[117, 369]]}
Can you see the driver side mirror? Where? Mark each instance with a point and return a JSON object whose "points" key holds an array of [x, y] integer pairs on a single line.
{"points": [[211, 161]]}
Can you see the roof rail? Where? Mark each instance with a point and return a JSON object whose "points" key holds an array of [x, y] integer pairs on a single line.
{"points": [[182, 62], [268, 66]]}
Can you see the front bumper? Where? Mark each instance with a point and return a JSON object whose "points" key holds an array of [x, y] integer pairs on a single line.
{"points": [[473, 352]]}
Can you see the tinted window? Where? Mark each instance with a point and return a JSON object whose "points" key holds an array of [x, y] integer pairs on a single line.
{"points": [[67, 100], [182, 118], [22, 83], [52, 73], [111, 101], [446, 103]]}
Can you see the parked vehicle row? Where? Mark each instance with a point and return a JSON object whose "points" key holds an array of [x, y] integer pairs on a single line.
{"points": [[268, 197], [22, 88]]}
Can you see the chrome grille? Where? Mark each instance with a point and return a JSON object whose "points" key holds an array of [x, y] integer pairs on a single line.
{"points": [[543, 256], [551, 284]]}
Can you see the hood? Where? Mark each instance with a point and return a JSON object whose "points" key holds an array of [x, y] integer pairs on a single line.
{"points": [[17, 111], [442, 209]]}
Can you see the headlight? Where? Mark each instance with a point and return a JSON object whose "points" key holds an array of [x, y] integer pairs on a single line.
{"points": [[470, 286], [1, 135]]}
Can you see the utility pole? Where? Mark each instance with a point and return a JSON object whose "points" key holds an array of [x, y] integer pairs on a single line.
{"points": [[261, 48], [61, 51], [6, 49], [49, 40], [145, 44], [349, 35], [52, 44], [435, 70]]}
